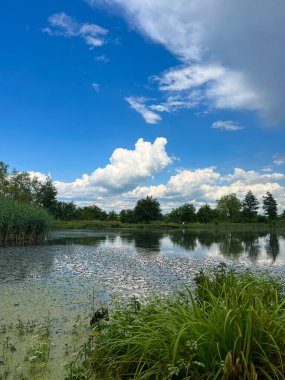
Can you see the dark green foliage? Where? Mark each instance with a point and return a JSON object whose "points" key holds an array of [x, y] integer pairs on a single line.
{"points": [[3, 178], [22, 222], [270, 206], [147, 210], [127, 216], [64, 210], [45, 194], [16, 185], [21, 186], [249, 206], [206, 214], [112, 215], [228, 208], [183, 214], [90, 213], [232, 327]]}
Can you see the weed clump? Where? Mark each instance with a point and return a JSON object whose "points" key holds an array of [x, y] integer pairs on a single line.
{"points": [[231, 327]]}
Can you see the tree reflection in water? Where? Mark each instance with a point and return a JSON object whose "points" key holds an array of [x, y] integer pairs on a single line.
{"points": [[184, 239], [144, 239], [272, 246], [38, 261]]}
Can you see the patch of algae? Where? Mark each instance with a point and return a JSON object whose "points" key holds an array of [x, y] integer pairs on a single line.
{"points": [[41, 328]]}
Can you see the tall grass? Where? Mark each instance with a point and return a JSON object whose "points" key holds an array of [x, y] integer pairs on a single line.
{"points": [[22, 223], [231, 327]]}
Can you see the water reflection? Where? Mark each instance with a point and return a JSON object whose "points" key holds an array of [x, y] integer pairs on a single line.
{"points": [[30, 261], [86, 253], [184, 239], [147, 240], [230, 245], [272, 246]]}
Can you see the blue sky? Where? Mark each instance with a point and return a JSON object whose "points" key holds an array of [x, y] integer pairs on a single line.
{"points": [[82, 79]]}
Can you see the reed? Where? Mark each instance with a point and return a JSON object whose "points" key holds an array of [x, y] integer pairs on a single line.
{"points": [[22, 223], [231, 327]]}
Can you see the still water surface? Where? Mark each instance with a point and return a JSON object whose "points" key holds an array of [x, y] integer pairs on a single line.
{"points": [[121, 260], [74, 269]]}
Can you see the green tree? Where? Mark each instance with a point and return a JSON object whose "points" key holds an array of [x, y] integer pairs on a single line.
{"points": [[250, 206], [20, 186], [127, 216], [147, 210], [270, 206], [64, 210], [3, 178], [90, 213], [185, 213], [206, 214], [228, 207], [112, 215], [45, 194]]}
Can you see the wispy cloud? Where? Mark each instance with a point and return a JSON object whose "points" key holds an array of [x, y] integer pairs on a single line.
{"points": [[211, 38], [96, 86], [267, 169], [138, 104], [210, 85], [227, 125], [60, 24], [279, 158], [102, 58]]}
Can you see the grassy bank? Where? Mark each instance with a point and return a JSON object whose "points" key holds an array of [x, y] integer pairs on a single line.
{"points": [[97, 224], [231, 327], [22, 223]]}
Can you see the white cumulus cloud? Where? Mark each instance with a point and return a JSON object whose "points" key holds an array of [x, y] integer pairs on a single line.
{"points": [[207, 185], [127, 169], [121, 182]]}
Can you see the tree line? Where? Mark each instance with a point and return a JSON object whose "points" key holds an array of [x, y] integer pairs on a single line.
{"points": [[21, 186], [229, 208]]}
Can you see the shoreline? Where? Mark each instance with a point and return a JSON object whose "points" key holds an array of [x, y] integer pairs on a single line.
{"points": [[99, 225]]}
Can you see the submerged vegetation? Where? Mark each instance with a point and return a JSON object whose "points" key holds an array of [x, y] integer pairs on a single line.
{"points": [[22, 222], [231, 327]]}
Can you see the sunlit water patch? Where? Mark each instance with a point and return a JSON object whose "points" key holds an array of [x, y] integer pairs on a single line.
{"points": [[76, 269]]}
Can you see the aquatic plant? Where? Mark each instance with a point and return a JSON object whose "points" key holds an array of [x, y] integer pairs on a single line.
{"points": [[22, 222], [33, 349], [231, 327]]}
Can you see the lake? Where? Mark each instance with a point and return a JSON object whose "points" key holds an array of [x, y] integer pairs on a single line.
{"points": [[78, 268], [136, 262]]}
